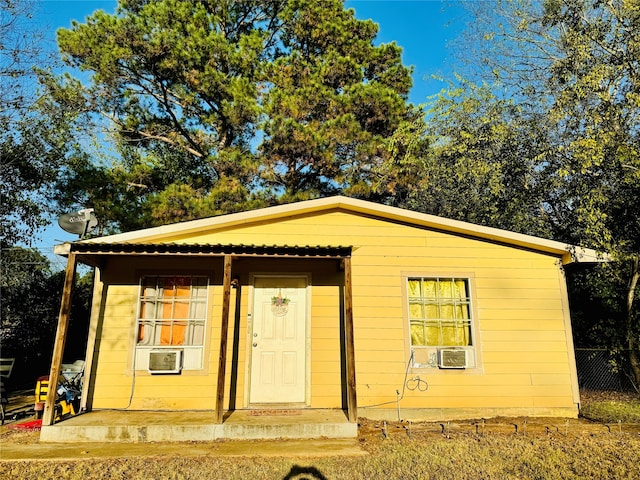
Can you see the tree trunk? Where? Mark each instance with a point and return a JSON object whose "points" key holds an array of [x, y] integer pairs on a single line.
{"points": [[632, 344]]}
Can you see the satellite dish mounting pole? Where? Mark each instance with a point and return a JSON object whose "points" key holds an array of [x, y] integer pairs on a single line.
{"points": [[87, 218]]}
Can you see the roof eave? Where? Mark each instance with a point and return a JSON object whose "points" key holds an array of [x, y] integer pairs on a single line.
{"points": [[568, 253], [584, 255]]}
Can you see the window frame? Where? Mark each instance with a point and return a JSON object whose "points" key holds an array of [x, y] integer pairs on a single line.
{"points": [[425, 357], [192, 354]]}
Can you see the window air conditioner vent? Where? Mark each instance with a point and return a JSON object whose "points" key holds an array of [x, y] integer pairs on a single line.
{"points": [[165, 361], [452, 358]]}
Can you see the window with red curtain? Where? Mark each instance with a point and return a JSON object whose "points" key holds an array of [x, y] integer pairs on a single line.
{"points": [[172, 310]]}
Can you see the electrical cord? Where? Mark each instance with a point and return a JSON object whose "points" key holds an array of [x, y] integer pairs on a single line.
{"points": [[133, 382], [420, 385], [416, 383], [133, 387]]}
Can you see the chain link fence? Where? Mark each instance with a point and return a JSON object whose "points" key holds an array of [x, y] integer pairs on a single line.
{"points": [[599, 370]]}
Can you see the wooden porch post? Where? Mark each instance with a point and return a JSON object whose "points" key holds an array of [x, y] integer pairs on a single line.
{"points": [[352, 403], [48, 415], [224, 333], [96, 305]]}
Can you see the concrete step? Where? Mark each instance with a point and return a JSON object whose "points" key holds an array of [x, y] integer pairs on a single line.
{"points": [[140, 427]]}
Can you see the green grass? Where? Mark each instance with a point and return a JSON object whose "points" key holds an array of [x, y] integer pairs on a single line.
{"points": [[608, 411]]}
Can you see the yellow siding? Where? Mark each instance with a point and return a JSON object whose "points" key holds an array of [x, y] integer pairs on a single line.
{"points": [[522, 345], [325, 365]]}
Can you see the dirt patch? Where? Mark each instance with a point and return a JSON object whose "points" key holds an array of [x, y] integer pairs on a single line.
{"points": [[588, 397], [19, 437], [369, 430]]}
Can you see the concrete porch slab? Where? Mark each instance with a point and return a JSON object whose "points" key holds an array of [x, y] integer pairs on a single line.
{"points": [[200, 426]]}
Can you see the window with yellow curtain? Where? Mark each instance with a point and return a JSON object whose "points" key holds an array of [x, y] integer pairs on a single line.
{"points": [[439, 312], [172, 310]]}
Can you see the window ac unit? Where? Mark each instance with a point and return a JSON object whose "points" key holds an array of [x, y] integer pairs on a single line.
{"points": [[452, 358], [165, 361]]}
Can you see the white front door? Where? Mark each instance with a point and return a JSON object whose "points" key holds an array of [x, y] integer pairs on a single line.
{"points": [[278, 353]]}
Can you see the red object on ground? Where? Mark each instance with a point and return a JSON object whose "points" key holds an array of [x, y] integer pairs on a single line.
{"points": [[30, 425]]}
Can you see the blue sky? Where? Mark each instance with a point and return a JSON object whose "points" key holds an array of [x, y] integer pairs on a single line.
{"points": [[423, 28]]}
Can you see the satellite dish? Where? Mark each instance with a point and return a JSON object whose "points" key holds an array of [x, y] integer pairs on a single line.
{"points": [[80, 222]]}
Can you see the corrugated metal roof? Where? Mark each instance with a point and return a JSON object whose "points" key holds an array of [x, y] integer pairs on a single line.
{"points": [[210, 249]]}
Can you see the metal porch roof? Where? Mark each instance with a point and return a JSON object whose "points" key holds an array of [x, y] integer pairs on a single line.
{"points": [[298, 251]]}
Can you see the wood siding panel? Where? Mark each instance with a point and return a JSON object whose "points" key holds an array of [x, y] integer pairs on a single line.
{"points": [[326, 366], [526, 347], [515, 316], [540, 325], [375, 333], [325, 333], [517, 356], [530, 368], [114, 349], [518, 307], [536, 336]]}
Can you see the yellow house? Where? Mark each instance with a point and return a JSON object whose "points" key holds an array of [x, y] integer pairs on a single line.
{"points": [[332, 303]]}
